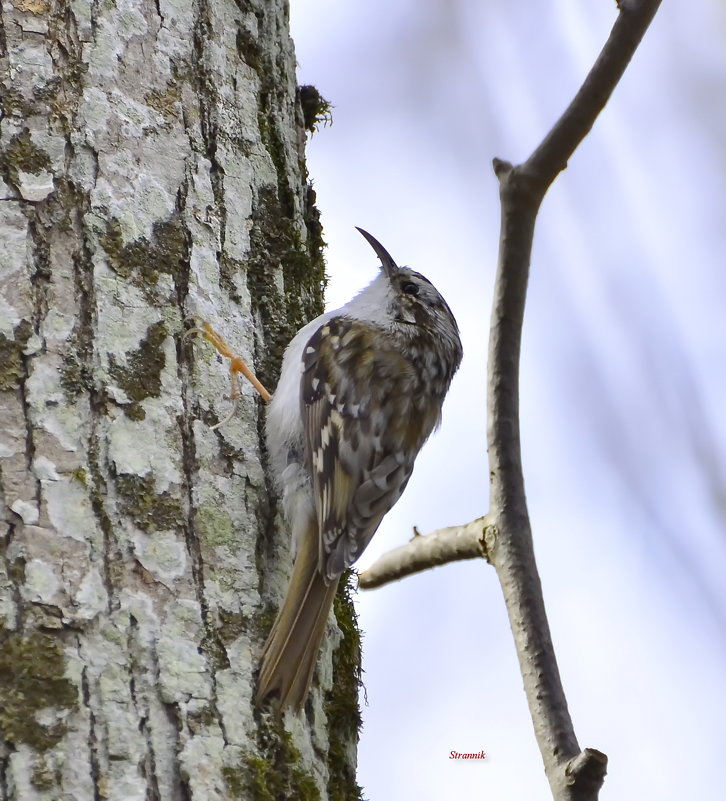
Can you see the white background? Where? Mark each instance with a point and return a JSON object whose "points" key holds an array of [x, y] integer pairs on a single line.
{"points": [[623, 379]]}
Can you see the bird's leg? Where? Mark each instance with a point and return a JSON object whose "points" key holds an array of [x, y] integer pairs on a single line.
{"points": [[237, 365]]}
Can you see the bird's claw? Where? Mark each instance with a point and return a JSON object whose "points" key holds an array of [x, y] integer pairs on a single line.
{"points": [[237, 365]]}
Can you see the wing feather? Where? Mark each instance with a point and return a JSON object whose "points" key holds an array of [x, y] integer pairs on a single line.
{"points": [[358, 419]]}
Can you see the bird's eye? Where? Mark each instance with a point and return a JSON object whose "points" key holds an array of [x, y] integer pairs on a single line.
{"points": [[410, 288]]}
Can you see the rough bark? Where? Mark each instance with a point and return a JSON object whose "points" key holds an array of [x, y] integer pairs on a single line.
{"points": [[151, 166]]}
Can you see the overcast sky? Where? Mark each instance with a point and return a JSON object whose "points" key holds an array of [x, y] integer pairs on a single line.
{"points": [[623, 380]]}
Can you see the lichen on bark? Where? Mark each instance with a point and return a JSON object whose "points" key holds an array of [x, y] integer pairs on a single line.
{"points": [[151, 171], [35, 695]]}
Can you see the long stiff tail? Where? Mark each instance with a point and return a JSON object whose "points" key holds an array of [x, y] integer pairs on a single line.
{"points": [[291, 650]]}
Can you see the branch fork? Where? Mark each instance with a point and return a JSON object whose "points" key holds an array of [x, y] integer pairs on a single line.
{"points": [[504, 534]]}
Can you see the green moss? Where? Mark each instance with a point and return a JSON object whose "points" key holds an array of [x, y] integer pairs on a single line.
{"points": [[12, 370], [76, 371], [115, 560], [135, 411], [80, 474], [31, 679], [214, 651], [166, 102], [315, 108], [22, 155], [228, 269], [273, 141], [148, 509], [47, 91], [140, 377], [235, 777], [315, 244], [270, 784], [16, 570], [274, 774], [272, 99], [44, 776], [248, 48], [12, 102], [232, 625], [341, 703], [275, 243], [142, 261], [113, 243], [263, 620]]}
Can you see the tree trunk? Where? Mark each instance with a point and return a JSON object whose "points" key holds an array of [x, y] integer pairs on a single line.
{"points": [[152, 166]]}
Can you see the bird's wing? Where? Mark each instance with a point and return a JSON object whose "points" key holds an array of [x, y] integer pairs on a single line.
{"points": [[355, 396]]}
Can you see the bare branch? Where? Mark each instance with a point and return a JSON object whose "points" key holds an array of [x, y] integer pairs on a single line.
{"points": [[422, 552], [574, 775]]}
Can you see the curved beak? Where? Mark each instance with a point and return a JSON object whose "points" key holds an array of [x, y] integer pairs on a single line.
{"points": [[387, 264]]}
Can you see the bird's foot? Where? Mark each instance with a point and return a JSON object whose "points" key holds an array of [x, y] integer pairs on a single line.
{"points": [[237, 365]]}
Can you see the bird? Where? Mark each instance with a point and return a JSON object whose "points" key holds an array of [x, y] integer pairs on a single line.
{"points": [[361, 389]]}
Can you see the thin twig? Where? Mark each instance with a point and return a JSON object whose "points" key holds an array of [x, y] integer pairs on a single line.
{"points": [[422, 552]]}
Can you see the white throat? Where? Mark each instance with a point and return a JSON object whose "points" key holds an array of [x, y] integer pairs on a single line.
{"points": [[371, 303]]}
